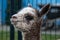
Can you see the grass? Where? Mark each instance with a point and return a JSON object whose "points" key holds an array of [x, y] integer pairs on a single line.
{"points": [[6, 36], [50, 37]]}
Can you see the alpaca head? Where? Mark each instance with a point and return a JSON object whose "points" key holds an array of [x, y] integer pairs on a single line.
{"points": [[25, 19]]}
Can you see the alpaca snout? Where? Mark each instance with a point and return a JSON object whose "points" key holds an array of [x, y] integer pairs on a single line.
{"points": [[13, 20], [14, 17]]}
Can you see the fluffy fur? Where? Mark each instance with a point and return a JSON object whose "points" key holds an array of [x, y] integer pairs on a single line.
{"points": [[21, 22], [29, 21]]}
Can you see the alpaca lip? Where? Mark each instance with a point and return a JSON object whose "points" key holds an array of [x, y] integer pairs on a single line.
{"points": [[13, 21]]}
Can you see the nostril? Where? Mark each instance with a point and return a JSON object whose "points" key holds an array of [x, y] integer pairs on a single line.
{"points": [[14, 17]]}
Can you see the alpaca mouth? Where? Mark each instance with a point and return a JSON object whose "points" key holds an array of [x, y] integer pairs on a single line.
{"points": [[14, 22]]}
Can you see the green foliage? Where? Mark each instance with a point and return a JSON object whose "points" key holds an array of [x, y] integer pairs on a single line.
{"points": [[6, 36]]}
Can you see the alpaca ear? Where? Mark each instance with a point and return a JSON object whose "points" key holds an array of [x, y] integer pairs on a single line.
{"points": [[44, 10]]}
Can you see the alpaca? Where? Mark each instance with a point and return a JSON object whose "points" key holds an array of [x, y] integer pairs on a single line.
{"points": [[29, 20]]}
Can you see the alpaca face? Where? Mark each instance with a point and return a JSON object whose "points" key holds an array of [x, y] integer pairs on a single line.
{"points": [[25, 18]]}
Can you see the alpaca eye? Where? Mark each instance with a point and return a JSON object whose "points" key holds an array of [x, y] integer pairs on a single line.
{"points": [[29, 17]]}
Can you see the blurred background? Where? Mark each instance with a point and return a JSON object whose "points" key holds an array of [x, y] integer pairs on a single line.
{"points": [[51, 24]]}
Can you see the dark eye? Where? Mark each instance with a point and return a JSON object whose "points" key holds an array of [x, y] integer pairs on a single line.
{"points": [[29, 17]]}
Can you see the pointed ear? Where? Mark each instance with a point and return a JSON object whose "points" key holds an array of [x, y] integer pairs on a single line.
{"points": [[44, 10]]}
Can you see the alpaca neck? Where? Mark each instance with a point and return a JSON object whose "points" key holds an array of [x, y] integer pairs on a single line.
{"points": [[32, 35]]}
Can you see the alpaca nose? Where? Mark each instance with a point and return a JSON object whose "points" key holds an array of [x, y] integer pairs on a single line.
{"points": [[14, 17]]}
